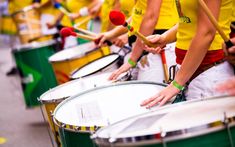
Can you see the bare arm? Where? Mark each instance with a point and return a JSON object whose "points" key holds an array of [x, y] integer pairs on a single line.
{"points": [[147, 26], [200, 43]]}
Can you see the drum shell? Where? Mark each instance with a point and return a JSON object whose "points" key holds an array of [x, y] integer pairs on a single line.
{"points": [[36, 73], [63, 69], [28, 24]]}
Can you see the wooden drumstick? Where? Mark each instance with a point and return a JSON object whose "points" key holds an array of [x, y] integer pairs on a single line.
{"points": [[86, 31], [68, 32], [118, 18], [62, 9], [86, 19], [216, 25]]}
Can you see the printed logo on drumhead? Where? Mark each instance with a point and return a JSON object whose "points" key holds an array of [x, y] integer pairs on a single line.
{"points": [[183, 18]]}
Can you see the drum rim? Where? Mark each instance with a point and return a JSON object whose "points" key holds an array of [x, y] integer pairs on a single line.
{"points": [[76, 70], [167, 136], [85, 129], [33, 45], [74, 57], [40, 99]]}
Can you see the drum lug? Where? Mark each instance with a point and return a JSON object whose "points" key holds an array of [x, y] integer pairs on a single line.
{"points": [[112, 140], [226, 125], [93, 136]]}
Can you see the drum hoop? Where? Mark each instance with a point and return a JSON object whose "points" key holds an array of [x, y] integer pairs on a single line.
{"points": [[169, 136], [71, 58], [73, 72], [86, 129], [172, 135], [33, 45], [54, 89]]}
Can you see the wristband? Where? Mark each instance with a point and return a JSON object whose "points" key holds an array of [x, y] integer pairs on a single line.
{"points": [[84, 11], [132, 63], [177, 85]]}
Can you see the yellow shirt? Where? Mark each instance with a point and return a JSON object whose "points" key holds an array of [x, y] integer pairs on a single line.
{"points": [[187, 10], [16, 5], [50, 9], [167, 18], [233, 15]]}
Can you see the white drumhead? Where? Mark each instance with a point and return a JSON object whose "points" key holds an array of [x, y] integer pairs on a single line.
{"points": [[73, 52], [74, 87], [95, 66], [101, 106], [170, 119]]}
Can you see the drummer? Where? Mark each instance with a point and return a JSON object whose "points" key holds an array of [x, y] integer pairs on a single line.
{"points": [[80, 10], [147, 17], [199, 52]]}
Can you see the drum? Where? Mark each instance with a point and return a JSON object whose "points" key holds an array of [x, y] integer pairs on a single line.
{"points": [[36, 72], [82, 114], [105, 64], [28, 24], [53, 97], [210, 122], [66, 61], [7, 25]]}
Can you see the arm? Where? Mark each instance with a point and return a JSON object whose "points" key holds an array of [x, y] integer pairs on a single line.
{"points": [[147, 26], [194, 56], [197, 51]]}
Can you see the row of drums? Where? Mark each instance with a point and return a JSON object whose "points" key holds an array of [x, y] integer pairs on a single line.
{"points": [[92, 111]]}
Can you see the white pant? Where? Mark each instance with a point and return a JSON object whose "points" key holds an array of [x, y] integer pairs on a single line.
{"points": [[154, 72], [204, 84]]}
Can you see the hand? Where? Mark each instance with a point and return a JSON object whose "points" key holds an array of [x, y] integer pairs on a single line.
{"points": [[74, 16], [231, 50], [121, 40], [101, 38], [159, 41], [125, 67], [228, 86], [162, 97]]}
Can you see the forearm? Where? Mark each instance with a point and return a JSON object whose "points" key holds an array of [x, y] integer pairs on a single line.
{"points": [[170, 35], [147, 26], [117, 31]]}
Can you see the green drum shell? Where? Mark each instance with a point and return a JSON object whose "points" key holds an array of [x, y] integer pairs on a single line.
{"points": [[35, 70], [75, 139]]}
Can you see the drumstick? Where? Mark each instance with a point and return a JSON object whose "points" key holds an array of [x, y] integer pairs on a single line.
{"points": [[216, 25], [85, 31], [118, 18], [62, 9], [86, 19], [65, 32]]}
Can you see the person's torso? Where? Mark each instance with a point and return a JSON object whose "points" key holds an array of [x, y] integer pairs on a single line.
{"points": [[187, 11], [167, 17]]}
